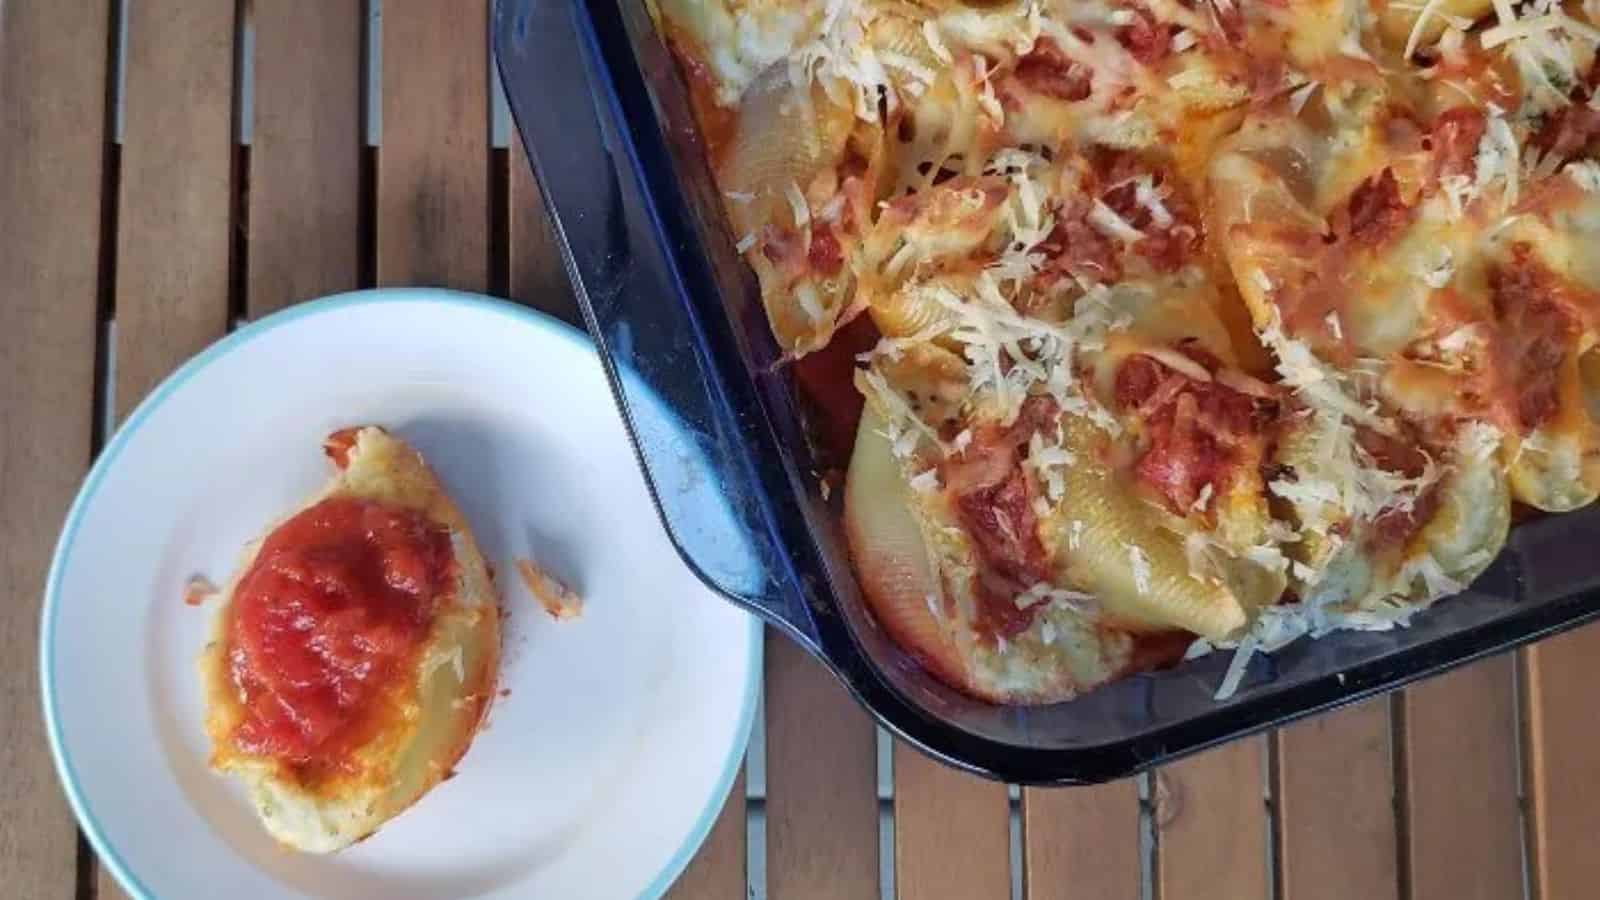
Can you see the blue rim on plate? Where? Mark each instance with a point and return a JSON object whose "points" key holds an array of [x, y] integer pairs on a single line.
{"points": [[107, 458]]}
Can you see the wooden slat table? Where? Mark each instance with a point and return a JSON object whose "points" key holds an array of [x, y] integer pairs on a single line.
{"points": [[169, 168]]}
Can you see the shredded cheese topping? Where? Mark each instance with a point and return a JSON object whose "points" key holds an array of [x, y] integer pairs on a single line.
{"points": [[992, 237]]}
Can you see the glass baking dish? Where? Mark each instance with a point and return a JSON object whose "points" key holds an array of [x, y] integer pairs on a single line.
{"points": [[717, 424]]}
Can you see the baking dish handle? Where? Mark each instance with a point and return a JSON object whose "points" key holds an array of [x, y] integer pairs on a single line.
{"points": [[658, 348]]}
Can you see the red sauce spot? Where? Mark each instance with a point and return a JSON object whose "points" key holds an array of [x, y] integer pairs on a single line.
{"points": [[326, 625], [1231, 21], [1568, 131], [1376, 211], [1166, 247], [1535, 331], [1402, 455], [1145, 39], [1157, 650], [1168, 251], [1455, 136], [1396, 527], [1180, 462], [1000, 517], [1046, 70], [825, 257], [1193, 429], [1074, 247], [1001, 521], [339, 444], [826, 384], [1264, 74], [994, 500], [1137, 379]]}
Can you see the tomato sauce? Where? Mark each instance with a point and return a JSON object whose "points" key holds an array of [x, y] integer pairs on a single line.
{"points": [[1536, 328], [994, 501], [1074, 248], [1376, 212], [1167, 247], [831, 404], [1156, 650], [1568, 131], [327, 623], [1145, 39], [1048, 71], [1454, 139], [1192, 428]]}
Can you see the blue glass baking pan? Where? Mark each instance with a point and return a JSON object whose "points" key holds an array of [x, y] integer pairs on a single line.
{"points": [[604, 115]]}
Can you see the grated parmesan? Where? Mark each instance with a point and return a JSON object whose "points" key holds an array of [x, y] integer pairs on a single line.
{"points": [[1107, 222], [1236, 668], [1585, 174], [925, 482], [1141, 568], [797, 204], [930, 34]]}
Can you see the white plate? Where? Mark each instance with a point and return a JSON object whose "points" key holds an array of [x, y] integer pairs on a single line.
{"points": [[601, 772]]}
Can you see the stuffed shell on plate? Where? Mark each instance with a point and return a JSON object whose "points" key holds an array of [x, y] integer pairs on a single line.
{"points": [[1199, 325]]}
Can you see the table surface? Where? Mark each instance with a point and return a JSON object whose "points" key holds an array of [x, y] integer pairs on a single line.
{"points": [[169, 168]]}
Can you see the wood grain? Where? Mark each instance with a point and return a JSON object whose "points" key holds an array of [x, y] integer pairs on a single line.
{"points": [[717, 872], [1562, 762], [1335, 793], [52, 144], [1463, 836], [1081, 843], [822, 811], [1211, 825], [538, 276], [952, 831], [433, 155], [173, 229], [305, 153], [173, 234]]}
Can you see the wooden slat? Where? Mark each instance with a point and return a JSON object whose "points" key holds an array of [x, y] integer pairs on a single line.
{"points": [[1464, 840], [52, 142], [822, 811], [433, 155], [717, 872], [1335, 793], [538, 277], [1563, 763], [1211, 825], [1081, 843], [305, 153], [173, 230], [177, 160], [952, 831]]}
